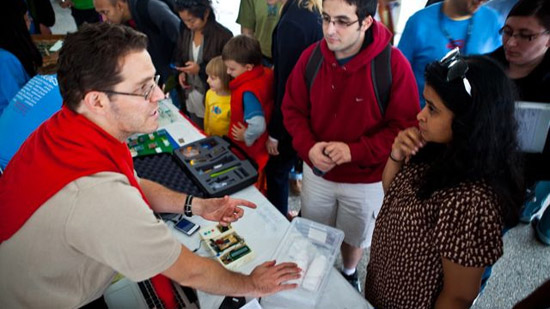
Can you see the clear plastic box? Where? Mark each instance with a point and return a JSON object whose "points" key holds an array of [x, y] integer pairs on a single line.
{"points": [[313, 246]]}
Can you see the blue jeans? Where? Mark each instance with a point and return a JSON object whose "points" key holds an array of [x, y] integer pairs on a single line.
{"points": [[276, 172]]}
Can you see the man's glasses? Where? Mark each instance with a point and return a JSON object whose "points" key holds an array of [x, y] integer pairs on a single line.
{"points": [[146, 95], [508, 32], [337, 22], [456, 68]]}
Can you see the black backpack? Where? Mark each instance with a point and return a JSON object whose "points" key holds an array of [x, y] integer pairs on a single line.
{"points": [[380, 73], [143, 12]]}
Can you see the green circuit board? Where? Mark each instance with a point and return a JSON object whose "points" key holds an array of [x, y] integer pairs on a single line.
{"points": [[152, 143]]}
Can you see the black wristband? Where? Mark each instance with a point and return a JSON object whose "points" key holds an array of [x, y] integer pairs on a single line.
{"points": [[395, 160], [187, 206]]}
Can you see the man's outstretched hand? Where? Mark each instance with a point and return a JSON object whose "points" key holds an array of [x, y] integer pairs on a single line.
{"points": [[223, 210]]}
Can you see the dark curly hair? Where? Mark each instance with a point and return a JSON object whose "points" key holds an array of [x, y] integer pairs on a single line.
{"points": [[90, 59], [484, 144]]}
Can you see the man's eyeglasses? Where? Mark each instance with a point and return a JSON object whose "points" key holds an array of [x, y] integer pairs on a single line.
{"points": [[146, 95], [337, 22], [508, 32], [456, 68]]}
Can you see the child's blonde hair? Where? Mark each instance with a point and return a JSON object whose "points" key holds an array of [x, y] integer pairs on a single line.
{"points": [[311, 5], [217, 68]]}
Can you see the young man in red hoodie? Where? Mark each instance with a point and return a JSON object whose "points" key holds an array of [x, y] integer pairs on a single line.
{"points": [[73, 211], [338, 127]]}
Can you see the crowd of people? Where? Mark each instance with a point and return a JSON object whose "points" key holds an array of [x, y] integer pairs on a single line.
{"points": [[412, 150]]}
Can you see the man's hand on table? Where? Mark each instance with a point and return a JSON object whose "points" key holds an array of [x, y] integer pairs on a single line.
{"points": [[269, 278], [224, 209]]}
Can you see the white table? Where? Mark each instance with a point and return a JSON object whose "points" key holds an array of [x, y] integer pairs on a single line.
{"points": [[262, 228]]}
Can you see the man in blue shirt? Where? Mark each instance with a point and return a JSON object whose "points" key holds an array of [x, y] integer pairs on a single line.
{"points": [[13, 75], [433, 31]]}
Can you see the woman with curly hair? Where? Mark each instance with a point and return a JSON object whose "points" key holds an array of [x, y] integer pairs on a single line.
{"points": [[452, 185]]}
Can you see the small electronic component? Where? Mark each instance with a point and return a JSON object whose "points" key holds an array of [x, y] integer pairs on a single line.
{"points": [[235, 254], [189, 151], [222, 228], [228, 247], [224, 242], [209, 144]]}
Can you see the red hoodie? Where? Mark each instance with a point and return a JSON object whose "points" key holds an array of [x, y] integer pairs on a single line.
{"points": [[341, 106]]}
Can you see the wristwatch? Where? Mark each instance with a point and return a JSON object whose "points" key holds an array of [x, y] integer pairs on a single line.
{"points": [[187, 206]]}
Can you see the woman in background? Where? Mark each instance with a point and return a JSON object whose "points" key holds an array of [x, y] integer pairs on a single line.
{"points": [[202, 38], [19, 57], [525, 55], [299, 26]]}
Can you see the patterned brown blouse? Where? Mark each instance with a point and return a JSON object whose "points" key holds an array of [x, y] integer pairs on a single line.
{"points": [[462, 224]]}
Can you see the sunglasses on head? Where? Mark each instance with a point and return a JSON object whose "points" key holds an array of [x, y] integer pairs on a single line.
{"points": [[456, 68]]}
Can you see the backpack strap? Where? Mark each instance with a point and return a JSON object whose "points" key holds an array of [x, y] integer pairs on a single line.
{"points": [[313, 64], [381, 74], [382, 77]]}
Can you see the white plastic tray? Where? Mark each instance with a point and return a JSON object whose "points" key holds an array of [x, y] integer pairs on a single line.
{"points": [[313, 246]]}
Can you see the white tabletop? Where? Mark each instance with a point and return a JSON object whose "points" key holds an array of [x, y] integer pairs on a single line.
{"points": [[262, 228]]}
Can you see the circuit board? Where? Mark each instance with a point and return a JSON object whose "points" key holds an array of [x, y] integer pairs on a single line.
{"points": [[152, 143], [228, 247]]}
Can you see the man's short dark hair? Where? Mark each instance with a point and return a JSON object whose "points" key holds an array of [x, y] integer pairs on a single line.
{"points": [[243, 50], [364, 7], [90, 59]]}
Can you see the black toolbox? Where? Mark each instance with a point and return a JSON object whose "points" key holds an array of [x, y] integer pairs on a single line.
{"points": [[218, 167]]}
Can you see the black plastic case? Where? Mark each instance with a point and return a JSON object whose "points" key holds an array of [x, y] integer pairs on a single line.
{"points": [[216, 169]]}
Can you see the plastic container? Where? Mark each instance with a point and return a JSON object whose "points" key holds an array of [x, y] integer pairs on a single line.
{"points": [[313, 246]]}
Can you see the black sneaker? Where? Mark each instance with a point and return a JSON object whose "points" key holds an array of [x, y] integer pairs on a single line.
{"points": [[353, 280]]}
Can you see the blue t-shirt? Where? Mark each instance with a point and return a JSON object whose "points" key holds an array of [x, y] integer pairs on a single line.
{"points": [[31, 106], [251, 106], [424, 40], [13, 77]]}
